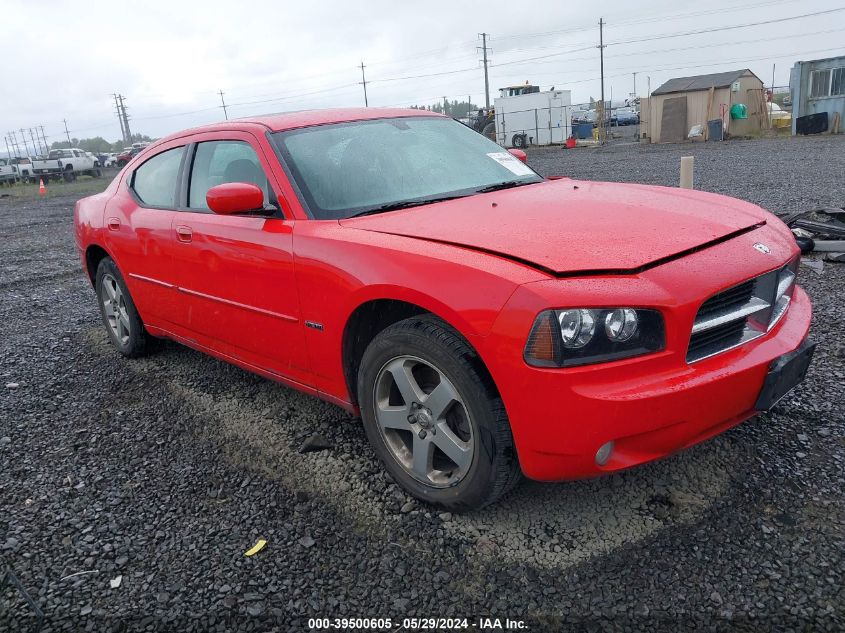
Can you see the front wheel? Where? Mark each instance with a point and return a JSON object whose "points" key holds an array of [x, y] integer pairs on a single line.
{"points": [[123, 324], [434, 417]]}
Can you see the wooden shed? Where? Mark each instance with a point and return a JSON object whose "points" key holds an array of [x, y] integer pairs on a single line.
{"points": [[681, 103]]}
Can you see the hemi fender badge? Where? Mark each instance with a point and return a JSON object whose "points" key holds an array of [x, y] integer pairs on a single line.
{"points": [[314, 325]]}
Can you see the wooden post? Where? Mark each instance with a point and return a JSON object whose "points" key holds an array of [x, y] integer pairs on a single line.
{"points": [[687, 163]]}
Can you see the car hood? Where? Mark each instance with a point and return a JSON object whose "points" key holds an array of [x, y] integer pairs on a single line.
{"points": [[569, 226]]}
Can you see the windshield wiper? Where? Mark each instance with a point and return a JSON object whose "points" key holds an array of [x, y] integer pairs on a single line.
{"points": [[404, 204], [508, 184]]}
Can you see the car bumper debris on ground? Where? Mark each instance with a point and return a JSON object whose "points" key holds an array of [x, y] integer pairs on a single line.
{"points": [[130, 490]]}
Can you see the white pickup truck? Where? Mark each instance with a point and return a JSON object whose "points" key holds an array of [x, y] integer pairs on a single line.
{"points": [[8, 172], [67, 164]]}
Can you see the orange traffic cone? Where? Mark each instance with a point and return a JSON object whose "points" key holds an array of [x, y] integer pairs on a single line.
{"points": [[42, 190]]}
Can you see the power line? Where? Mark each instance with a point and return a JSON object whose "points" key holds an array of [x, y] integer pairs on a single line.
{"points": [[726, 28], [647, 18]]}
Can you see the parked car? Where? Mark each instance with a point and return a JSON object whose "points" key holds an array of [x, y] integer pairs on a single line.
{"points": [[779, 117], [66, 164], [626, 117], [24, 167], [128, 154], [482, 320], [8, 172], [110, 160]]}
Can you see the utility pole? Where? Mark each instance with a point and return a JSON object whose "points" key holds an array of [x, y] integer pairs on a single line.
{"points": [[119, 117], [225, 113], [44, 138], [635, 85], [8, 151], [484, 49], [125, 119], [603, 133], [69, 142], [32, 136], [364, 83], [25, 146]]}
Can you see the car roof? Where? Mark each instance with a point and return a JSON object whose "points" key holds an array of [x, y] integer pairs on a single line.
{"points": [[305, 118]]}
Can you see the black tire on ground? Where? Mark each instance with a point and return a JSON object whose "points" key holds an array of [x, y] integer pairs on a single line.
{"points": [[121, 163], [69, 175], [494, 469], [138, 342], [490, 131], [519, 141]]}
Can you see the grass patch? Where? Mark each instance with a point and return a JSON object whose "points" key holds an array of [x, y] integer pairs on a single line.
{"points": [[82, 186]]}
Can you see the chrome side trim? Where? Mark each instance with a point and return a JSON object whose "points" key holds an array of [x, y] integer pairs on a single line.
{"points": [[243, 306], [151, 280]]}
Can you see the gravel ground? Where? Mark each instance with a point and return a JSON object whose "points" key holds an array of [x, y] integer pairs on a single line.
{"points": [[162, 472]]}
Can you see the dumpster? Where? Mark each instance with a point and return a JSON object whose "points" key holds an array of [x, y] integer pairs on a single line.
{"points": [[583, 130]]}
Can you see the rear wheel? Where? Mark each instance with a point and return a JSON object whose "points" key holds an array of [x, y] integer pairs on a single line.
{"points": [[434, 417], [519, 141], [118, 311]]}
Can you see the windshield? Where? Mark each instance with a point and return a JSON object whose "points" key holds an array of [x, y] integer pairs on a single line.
{"points": [[347, 169]]}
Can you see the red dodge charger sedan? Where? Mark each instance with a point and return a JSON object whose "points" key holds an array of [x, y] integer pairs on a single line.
{"points": [[484, 321]]}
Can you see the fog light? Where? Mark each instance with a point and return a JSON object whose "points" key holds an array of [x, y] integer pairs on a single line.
{"points": [[603, 454]]}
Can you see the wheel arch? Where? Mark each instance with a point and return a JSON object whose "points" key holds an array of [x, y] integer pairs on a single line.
{"points": [[94, 254], [373, 316]]}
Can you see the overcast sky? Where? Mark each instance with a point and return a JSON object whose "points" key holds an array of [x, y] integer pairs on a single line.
{"points": [[64, 59]]}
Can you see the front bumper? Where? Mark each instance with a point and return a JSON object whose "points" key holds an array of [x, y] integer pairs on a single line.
{"points": [[648, 415]]}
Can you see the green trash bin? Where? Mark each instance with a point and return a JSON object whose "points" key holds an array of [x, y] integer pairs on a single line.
{"points": [[739, 111]]}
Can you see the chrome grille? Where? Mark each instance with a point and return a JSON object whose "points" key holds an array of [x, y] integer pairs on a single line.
{"points": [[741, 313]]}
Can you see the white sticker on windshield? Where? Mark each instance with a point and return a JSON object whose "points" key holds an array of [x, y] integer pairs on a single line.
{"points": [[511, 162]]}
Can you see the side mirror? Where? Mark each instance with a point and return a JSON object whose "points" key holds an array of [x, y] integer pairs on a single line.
{"points": [[519, 154], [234, 197]]}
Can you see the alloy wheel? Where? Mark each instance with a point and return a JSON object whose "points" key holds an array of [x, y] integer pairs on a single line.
{"points": [[424, 421], [114, 307]]}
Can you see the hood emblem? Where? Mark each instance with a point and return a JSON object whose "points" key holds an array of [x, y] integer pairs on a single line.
{"points": [[762, 248]]}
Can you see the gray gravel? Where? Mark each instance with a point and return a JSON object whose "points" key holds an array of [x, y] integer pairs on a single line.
{"points": [[163, 471]]}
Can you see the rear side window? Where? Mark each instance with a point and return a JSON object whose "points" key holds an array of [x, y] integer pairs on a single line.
{"points": [[154, 182], [218, 162]]}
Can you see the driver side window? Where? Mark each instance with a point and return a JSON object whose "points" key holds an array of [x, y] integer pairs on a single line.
{"points": [[218, 162]]}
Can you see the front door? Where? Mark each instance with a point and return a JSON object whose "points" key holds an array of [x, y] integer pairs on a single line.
{"points": [[235, 272]]}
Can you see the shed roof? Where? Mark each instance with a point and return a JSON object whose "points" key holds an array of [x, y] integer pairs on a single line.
{"points": [[701, 82]]}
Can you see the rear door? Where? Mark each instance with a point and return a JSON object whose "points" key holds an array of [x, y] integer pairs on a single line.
{"points": [[236, 272], [139, 235]]}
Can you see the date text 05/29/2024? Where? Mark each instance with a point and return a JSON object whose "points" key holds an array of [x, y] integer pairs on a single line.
{"points": [[419, 624]]}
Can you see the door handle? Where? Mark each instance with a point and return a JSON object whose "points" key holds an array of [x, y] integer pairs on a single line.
{"points": [[184, 233], [113, 224]]}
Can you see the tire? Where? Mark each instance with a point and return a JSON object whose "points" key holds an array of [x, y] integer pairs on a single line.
{"points": [[489, 131], [69, 175], [121, 164], [117, 310], [518, 141], [472, 425]]}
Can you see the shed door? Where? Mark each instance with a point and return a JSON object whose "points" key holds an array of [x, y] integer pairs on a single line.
{"points": [[673, 125]]}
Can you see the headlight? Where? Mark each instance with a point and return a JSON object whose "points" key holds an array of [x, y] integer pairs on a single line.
{"points": [[577, 336], [576, 327]]}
